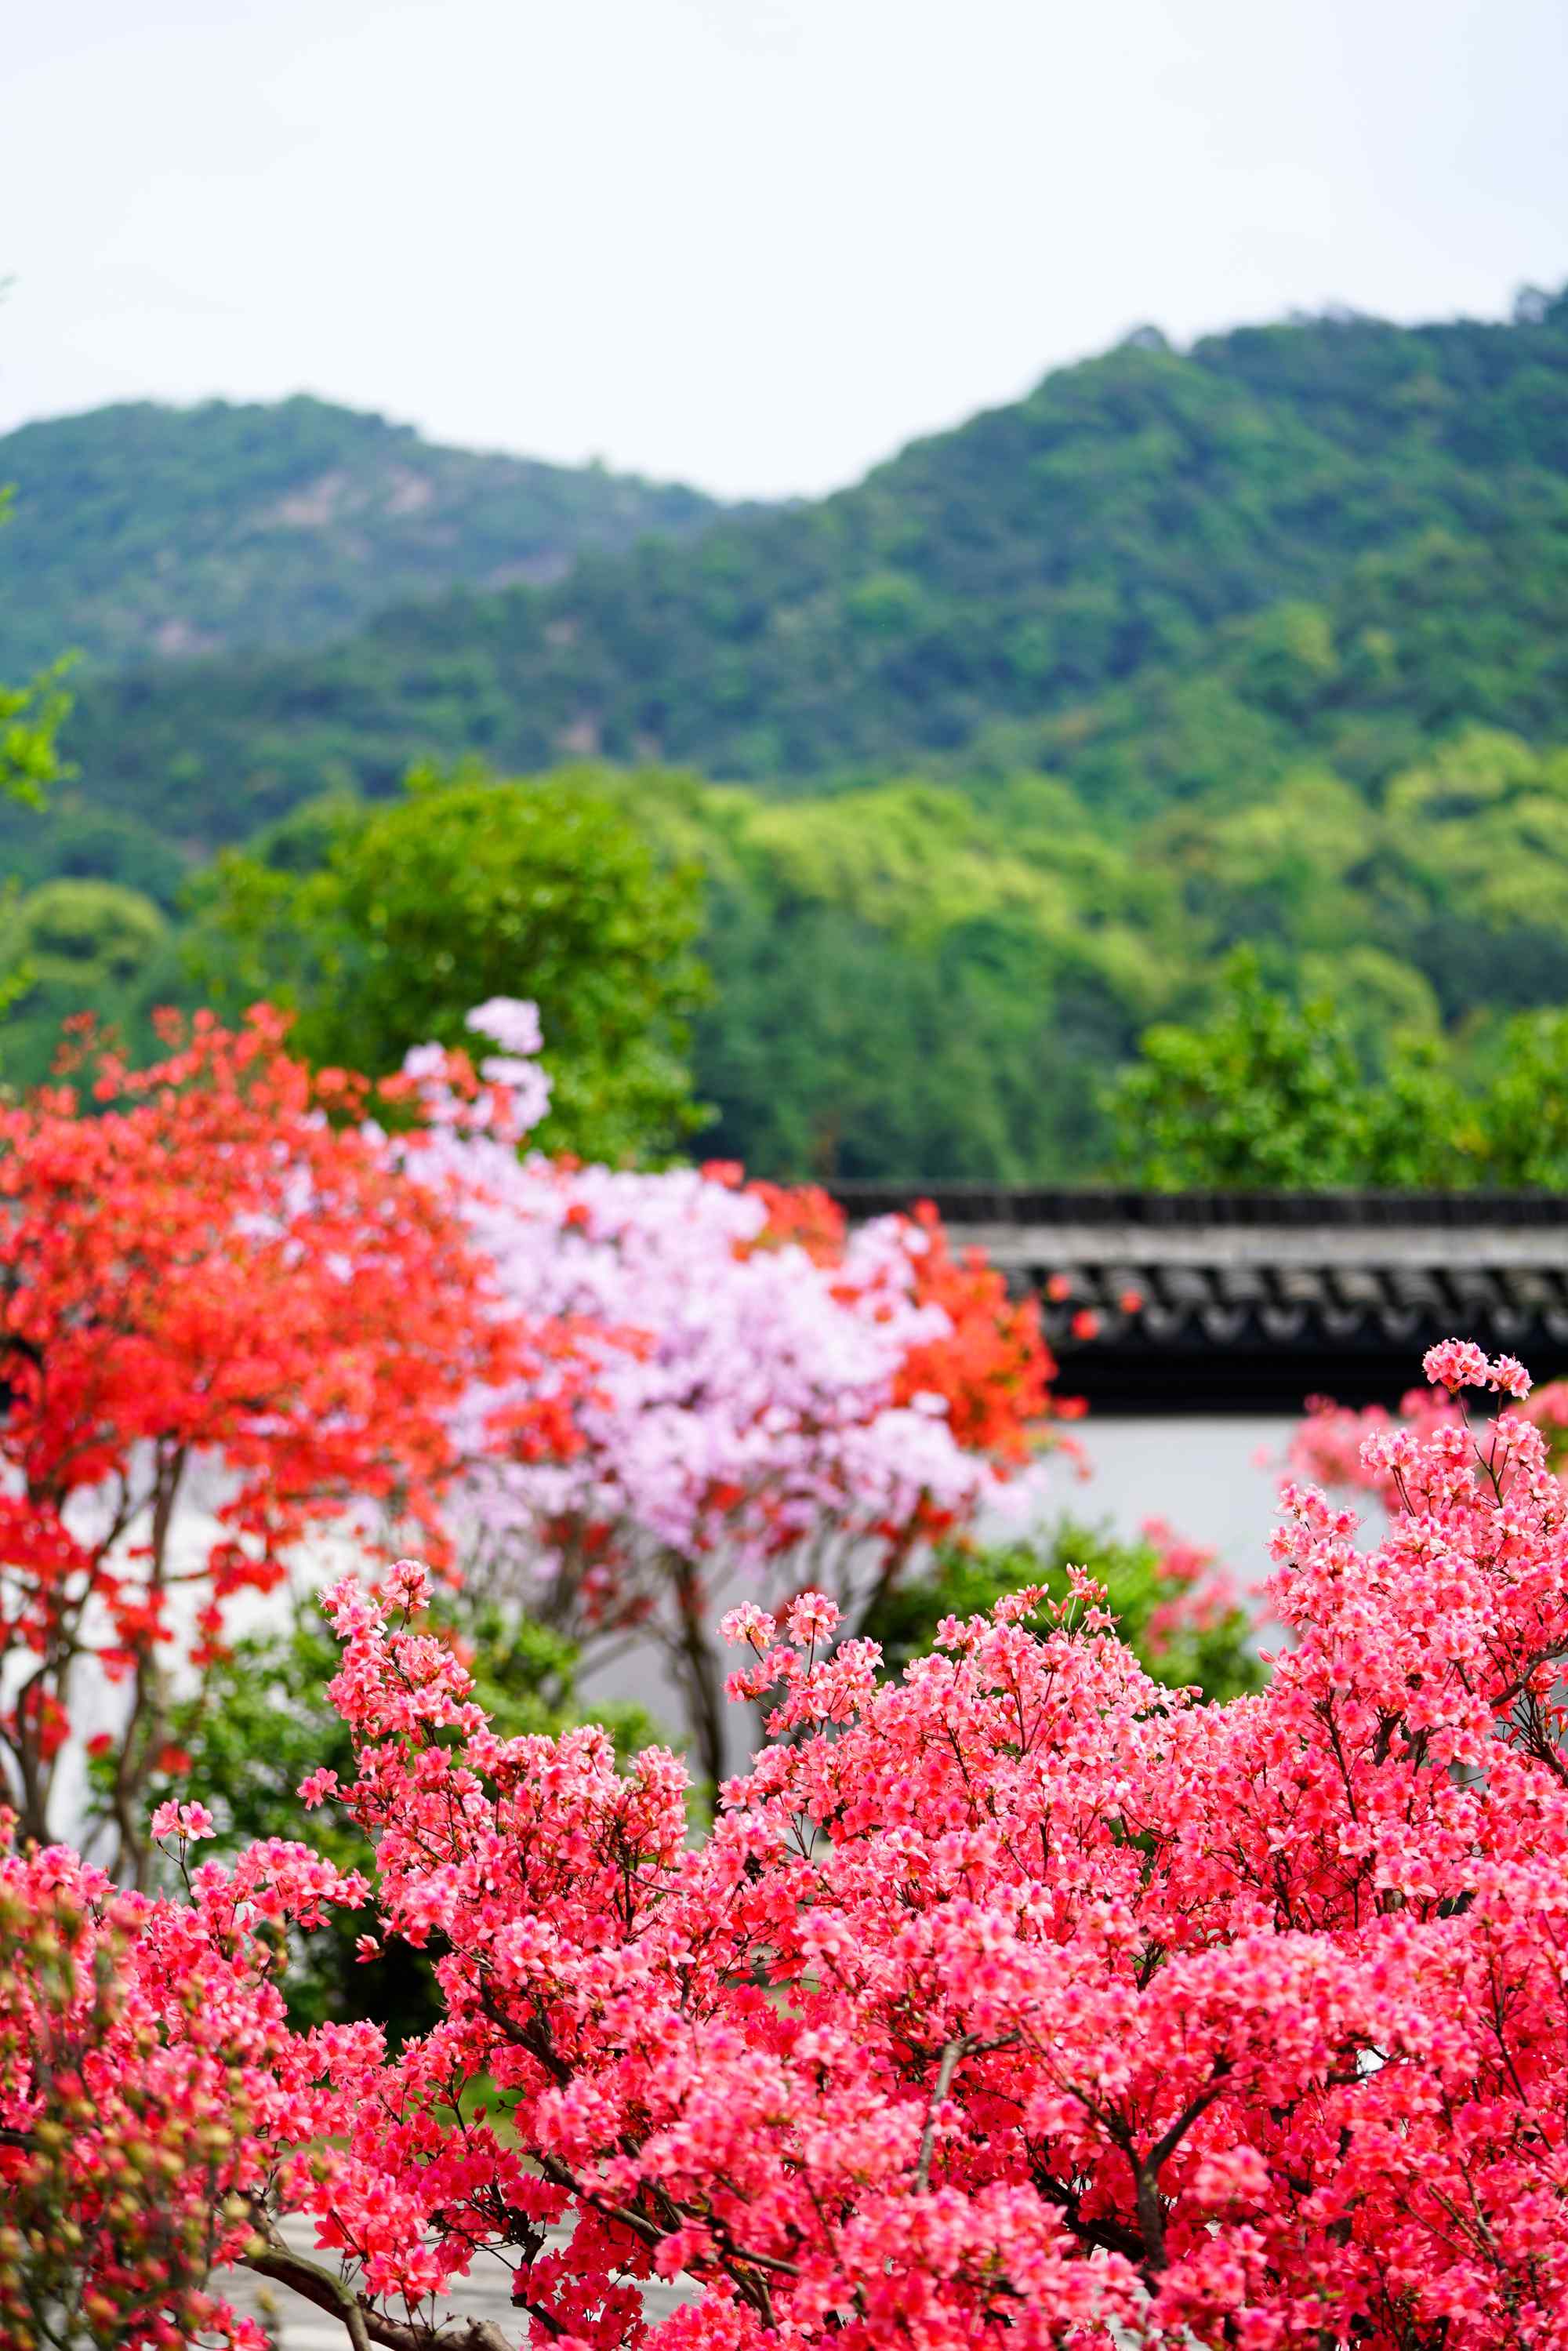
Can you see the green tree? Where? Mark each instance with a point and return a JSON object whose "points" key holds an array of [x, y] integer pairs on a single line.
{"points": [[382, 926], [75, 934], [1273, 1095], [1522, 1113], [31, 716], [75, 947]]}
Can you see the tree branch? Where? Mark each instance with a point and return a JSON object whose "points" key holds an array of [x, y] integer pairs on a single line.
{"points": [[951, 2053], [317, 2284]]}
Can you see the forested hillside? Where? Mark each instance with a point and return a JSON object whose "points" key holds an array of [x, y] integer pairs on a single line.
{"points": [[143, 530], [987, 762], [1409, 487]]}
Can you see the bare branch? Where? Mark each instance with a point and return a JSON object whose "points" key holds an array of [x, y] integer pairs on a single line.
{"points": [[944, 2071], [320, 2286]]}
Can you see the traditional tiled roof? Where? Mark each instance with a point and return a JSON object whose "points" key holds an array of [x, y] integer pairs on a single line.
{"points": [[1239, 1301]]}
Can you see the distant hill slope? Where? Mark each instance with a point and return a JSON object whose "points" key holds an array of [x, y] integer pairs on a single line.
{"points": [[1335, 511], [141, 531], [1264, 641]]}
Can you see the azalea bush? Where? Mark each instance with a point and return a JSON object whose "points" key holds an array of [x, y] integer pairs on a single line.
{"points": [[145, 2066], [260, 1719], [1019, 1998], [775, 1400], [206, 1269]]}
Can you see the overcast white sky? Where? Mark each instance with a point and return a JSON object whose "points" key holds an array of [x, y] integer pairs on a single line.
{"points": [[753, 243]]}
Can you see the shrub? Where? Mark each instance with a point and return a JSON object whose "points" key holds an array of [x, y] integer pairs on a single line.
{"points": [[1019, 1996]]}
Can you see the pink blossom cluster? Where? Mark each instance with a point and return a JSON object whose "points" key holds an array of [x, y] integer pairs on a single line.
{"points": [[741, 1406], [1020, 1999], [745, 1395], [1197, 1592], [1334, 1444]]}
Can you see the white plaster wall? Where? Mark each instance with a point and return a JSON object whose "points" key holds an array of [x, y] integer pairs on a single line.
{"points": [[1216, 1480]]}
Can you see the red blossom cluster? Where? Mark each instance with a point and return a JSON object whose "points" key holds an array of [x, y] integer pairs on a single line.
{"points": [[214, 1261], [1020, 2000], [991, 1364]]}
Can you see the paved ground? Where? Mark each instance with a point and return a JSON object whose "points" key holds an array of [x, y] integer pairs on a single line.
{"points": [[298, 2325]]}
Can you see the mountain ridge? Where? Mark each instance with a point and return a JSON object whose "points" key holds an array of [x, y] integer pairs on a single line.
{"points": [[143, 530], [1114, 524]]}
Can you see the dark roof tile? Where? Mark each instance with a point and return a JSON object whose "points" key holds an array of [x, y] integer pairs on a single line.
{"points": [[1270, 1279]]}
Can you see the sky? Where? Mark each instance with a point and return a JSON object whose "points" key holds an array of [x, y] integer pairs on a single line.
{"points": [[755, 244]]}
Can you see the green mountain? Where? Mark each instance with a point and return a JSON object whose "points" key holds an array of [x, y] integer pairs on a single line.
{"points": [[141, 531], [1266, 640], [1105, 536]]}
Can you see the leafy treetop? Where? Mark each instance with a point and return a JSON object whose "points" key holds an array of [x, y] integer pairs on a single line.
{"points": [[404, 915]]}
